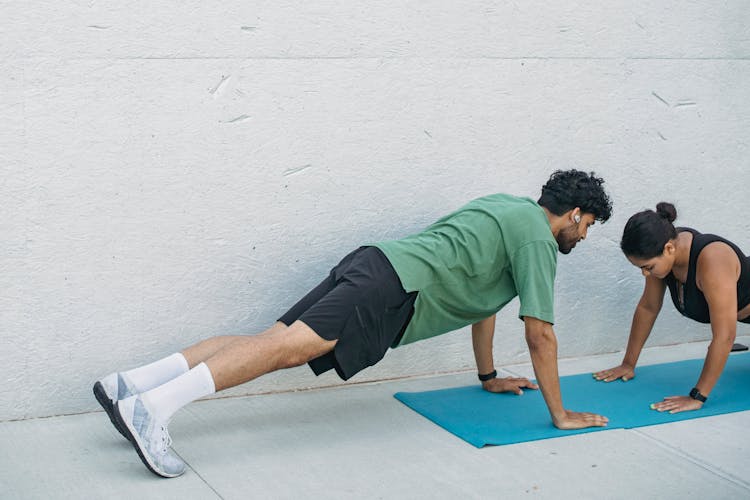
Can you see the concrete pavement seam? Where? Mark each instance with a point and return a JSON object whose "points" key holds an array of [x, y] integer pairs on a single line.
{"points": [[199, 475], [704, 465]]}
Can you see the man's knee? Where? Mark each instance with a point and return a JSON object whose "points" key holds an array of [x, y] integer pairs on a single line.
{"points": [[291, 359], [298, 344]]}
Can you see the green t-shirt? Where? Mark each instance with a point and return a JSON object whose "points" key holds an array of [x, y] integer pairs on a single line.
{"points": [[471, 263]]}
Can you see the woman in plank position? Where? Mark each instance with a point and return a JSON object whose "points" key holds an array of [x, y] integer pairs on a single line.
{"points": [[709, 280]]}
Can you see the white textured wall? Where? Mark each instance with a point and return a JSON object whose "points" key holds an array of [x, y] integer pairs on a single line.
{"points": [[175, 170]]}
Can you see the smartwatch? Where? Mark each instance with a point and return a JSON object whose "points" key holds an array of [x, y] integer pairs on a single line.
{"points": [[488, 376], [696, 394]]}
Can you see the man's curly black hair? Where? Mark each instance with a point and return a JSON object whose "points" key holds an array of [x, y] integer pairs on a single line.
{"points": [[568, 189]]}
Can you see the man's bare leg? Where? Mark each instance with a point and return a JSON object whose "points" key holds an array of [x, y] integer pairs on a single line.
{"points": [[120, 385], [245, 358], [197, 353], [234, 360], [144, 418]]}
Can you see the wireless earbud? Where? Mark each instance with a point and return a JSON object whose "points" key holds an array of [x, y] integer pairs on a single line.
{"points": [[577, 218]]}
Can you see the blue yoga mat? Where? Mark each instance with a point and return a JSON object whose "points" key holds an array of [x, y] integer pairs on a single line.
{"points": [[482, 418]]}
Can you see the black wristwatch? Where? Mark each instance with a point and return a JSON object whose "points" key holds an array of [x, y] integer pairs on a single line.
{"points": [[488, 376], [696, 394]]}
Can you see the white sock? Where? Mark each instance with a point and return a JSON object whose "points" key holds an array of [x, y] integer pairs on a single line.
{"points": [[147, 377], [166, 399]]}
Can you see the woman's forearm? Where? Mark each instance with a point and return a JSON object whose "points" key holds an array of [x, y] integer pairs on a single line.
{"points": [[640, 329]]}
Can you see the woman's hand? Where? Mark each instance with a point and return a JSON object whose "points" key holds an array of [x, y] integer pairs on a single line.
{"points": [[625, 372], [508, 384], [676, 404]]}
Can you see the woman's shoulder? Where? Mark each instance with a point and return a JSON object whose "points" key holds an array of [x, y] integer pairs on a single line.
{"points": [[717, 257]]}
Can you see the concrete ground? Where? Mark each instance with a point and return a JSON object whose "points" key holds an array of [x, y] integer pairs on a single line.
{"points": [[359, 442]]}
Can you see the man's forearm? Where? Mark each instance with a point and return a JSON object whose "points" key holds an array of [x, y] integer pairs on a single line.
{"points": [[543, 351], [482, 334]]}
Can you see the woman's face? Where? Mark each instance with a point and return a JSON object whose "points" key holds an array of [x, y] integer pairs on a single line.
{"points": [[659, 266]]}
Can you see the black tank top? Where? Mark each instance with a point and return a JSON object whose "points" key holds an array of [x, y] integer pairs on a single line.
{"points": [[690, 301]]}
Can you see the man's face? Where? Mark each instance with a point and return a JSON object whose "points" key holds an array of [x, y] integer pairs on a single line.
{"points": [[574, 232]]}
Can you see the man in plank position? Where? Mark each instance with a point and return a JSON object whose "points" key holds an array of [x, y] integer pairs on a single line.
{"points": [[459, 271]]}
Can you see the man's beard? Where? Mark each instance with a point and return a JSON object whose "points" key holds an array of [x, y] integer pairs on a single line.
{"points": [[567, 239]]}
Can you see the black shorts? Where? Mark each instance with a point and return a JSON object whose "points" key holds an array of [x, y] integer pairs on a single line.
{"points": [[362, 305]]}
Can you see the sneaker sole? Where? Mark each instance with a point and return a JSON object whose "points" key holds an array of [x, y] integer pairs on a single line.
{"points": [[101, 397], [134, 438]]}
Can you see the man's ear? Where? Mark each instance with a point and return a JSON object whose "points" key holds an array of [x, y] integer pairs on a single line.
{"points": [[576, 215]]}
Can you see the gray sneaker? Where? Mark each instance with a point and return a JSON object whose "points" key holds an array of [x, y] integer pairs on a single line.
{"points": [[108, 391], [150, 438]]}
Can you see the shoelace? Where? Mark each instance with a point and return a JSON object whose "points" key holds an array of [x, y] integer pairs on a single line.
{"points": [[166, 439], [161, 442]]}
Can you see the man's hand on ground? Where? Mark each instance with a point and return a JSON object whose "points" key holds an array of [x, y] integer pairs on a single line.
{"points": [[577, 420], [508, 384]]}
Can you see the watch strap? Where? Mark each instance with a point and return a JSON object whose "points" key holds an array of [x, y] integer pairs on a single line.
{"points": [[696, 394]]}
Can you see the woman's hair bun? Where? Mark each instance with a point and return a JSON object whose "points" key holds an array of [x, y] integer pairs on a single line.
{"points": [[666, 210]]}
